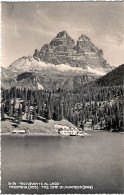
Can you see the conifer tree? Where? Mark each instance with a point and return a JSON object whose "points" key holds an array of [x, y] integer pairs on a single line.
{"points": [[35, 114], [2, 112], [10, 109], [28, 111], [19, 114], [82, 125]]}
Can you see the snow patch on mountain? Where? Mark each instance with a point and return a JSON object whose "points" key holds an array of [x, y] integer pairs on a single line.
{"points": [[99, 71], [30, 64], [66, 67]]}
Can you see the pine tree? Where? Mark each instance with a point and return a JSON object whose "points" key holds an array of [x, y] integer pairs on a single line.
{"points": [[24, 106], [82, 125], [10, 109], [19, 114], [28, 111], [48, 114], [61, 111], [76, 119], [2, 112], [34, 114]]}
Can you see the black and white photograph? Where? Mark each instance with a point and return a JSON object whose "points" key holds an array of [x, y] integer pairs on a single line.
{"points": [[62, 97]]}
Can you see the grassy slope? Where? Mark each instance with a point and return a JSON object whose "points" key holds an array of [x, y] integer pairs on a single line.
{"points": [[37, 127]]}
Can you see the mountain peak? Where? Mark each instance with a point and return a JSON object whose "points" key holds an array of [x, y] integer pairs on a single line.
{"points": [[84, 44], [62, 50], [62, 39], [63, 34], [83, 38]]}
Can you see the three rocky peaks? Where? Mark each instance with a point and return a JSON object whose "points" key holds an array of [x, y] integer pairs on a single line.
{"points": [[63, 50], [60, 64]]}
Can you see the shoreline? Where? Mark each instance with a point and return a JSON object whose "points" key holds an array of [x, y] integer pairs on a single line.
{"points": [[29, 134], [44, 134], [40, 128], [53, 135]]}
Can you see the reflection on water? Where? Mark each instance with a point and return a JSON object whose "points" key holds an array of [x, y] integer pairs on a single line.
{"points": [[94, 160]]}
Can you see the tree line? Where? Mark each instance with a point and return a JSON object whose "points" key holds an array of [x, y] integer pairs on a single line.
{"points": [[99, 105]]}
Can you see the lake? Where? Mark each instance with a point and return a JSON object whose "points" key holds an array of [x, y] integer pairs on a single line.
{"points": [[95, 161]]}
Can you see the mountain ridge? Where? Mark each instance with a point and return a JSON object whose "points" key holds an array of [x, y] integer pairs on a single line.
{"points": [[61, 62], [61, 54], [60, 80], [62, 50], [115, 77], [31, 64]]}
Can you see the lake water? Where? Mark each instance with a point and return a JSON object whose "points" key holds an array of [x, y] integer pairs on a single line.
{"points": [[95, 160]]}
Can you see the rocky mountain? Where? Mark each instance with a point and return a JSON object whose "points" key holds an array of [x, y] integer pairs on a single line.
{"points": [[20, 80], [59, 64], [115, 77], [46, 79], [63, 50], [8, 78], [32, 64], [62, 55]]}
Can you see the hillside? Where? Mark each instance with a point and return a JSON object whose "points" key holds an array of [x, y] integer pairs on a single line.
{"points": [[39, 127], [115, 77], [48, 79], [8, 78]]}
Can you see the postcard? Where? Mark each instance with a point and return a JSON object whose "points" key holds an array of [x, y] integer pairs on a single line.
{"points": [[62, 97]]}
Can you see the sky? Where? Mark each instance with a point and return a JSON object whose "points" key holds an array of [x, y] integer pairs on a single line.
{"points": [[27, 26]]}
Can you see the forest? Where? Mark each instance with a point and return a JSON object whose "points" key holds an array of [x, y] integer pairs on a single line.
{"points": [[99, 105]]}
